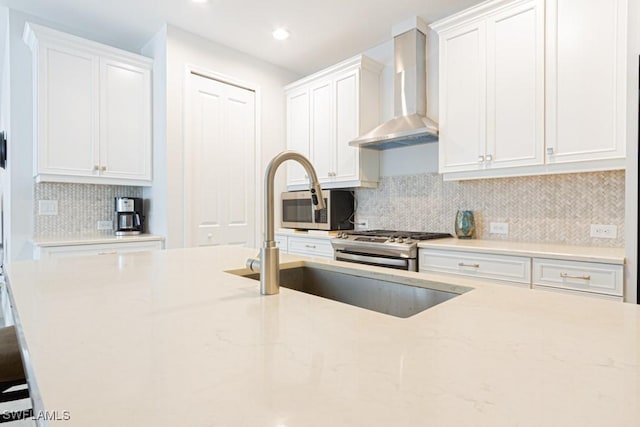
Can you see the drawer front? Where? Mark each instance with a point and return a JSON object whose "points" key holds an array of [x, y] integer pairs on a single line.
{"points": [[604, 279], [281, 242], [310, 247], [510, 268]]}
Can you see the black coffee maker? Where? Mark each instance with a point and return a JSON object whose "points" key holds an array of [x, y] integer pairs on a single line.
{"points": [[129, 219]]}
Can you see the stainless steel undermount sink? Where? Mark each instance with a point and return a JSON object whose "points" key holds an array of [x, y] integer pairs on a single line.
{"points": [[384, 293]]}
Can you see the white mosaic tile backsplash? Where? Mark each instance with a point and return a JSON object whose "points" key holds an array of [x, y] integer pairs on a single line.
{"points": [[541, 209], [80, 207]]}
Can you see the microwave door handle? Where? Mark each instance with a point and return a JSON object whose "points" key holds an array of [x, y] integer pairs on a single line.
{"points": [[138, 222]]}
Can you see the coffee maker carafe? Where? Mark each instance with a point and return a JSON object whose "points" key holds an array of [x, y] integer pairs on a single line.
{"points": [[128, 220]]}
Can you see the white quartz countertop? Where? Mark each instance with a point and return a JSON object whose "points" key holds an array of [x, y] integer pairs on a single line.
{"points": [[541, 250], [94, 239], [167, 338], [316, 234]]}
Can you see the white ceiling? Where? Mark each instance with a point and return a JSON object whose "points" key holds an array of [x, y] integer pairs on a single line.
{"points": [[322, 32]]}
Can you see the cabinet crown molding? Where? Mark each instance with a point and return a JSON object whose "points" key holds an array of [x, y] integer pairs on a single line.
{"points": [[361, 61], [34, 34], [475, 12]]}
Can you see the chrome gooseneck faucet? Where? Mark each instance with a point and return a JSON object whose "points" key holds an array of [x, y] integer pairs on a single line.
{"points": [[269, 260]]}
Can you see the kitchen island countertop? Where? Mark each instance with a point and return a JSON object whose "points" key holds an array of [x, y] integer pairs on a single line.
{"points": [[168, 338]]}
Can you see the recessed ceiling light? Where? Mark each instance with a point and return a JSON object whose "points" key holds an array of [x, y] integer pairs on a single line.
{"points": [[281, 34]]}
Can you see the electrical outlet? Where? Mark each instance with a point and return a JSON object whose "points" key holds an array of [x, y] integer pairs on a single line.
{"points": [[47, 207], [362, 224], [606, 231], [498, 228], [105, 225]]}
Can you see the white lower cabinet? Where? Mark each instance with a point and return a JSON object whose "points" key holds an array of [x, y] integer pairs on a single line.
{"points": [[592, 279], [315, 247], [585, 277], [49, 252], [509, 269]]}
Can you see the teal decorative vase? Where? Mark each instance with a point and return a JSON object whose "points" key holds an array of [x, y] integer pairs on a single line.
{"points": [[465, 225]]}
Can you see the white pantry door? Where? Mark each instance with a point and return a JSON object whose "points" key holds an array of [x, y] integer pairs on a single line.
{"points": [[220, 166]]}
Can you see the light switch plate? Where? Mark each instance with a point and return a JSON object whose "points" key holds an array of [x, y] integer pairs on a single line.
{"points": [[47, 207], [105, 225]]}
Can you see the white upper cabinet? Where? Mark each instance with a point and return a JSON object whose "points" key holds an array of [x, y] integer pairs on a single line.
{"points": [[532, 87], [492, 88], [327, 110], [92, 111], [586, 80]]}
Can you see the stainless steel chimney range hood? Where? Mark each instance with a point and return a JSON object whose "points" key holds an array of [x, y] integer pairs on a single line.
{"points": [[410, 126]]}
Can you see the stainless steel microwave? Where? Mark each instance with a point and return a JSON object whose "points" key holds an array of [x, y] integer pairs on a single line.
{"points": [[298, 212]]}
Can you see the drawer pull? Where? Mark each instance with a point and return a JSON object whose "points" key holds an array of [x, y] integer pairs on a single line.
{"points": [[310, 246], [568, 276], [107, 253], [462, 264]]}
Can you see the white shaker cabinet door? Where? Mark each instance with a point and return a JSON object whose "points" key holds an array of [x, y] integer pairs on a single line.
{"points": [[297, 133], [67, 102], [321, 126], [346, 126], [125, 120], [462, 98], [515, 86], [586, 80]]}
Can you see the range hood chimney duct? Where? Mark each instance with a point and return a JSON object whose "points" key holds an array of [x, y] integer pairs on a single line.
{"points": [[410, 126]]}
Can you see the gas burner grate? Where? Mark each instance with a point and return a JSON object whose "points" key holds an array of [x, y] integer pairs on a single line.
{"points": [[415, 235]]}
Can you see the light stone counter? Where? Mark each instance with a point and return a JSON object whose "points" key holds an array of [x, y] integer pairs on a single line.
{"points": [[94, 239], [541, 250], [167, 338]]}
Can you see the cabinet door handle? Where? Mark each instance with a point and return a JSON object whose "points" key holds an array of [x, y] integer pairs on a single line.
{"points": [[462, 264], [96, 167], [103, 168], [310, 246], [549, 151], [489, 157], [480, 158], [569, 276]]}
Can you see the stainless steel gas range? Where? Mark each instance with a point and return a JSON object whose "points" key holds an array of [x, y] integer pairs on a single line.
{"points": [[385, 248]]}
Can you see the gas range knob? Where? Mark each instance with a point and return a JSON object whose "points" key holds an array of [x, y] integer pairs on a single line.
{"points": [[344, 236], [399, 240], [391, 240]]}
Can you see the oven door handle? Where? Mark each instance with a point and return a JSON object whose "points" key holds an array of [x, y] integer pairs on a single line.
{"points": [[395, 262]]}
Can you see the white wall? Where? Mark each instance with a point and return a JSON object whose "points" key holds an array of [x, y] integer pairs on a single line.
{"points": [[4, 105], [631, 184], [419, 158], [18, 210], [184, 48], [156, 195]]}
